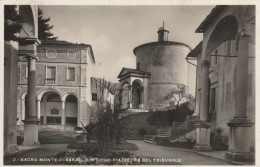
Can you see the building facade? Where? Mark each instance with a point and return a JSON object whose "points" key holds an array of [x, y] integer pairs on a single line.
{"points": [[63, 85], [160, 67], [101, 91], [225, 91]]}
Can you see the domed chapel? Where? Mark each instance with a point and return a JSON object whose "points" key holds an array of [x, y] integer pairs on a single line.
{"points": [[160, 67]]}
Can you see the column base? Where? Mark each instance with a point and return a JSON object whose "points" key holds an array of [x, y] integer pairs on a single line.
{"points": [[34, 145], [239, 140], [200, 147], [203, 137], [30, 134], [11, 149], [240, 156], [130, 105]]}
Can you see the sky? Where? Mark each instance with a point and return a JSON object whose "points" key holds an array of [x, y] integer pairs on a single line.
{"points": [[114, 31]]}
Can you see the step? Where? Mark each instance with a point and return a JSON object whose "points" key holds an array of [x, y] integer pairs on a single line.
{"points": [[163, 136], [149, 141]]}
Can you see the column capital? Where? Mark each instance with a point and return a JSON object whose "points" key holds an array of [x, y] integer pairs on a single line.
{"points": [[29, 41], [242, 35], [205, 63], [28, 47]]}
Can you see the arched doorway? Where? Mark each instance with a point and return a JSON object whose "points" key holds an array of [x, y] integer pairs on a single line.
{"points": [[71, 110], [125, 95], [137, 94], [51, 109]]}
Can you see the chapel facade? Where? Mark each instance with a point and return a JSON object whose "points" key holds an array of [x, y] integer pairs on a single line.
{"points": [[63, 85]]}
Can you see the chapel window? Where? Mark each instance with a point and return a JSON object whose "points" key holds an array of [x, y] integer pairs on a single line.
{"points": [[71, 74], [50, 74]]}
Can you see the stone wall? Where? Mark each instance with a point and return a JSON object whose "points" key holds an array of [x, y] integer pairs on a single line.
{"points": [[10, 94], [167, 66]]}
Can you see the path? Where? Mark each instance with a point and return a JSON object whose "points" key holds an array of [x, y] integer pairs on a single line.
{"points": [[188, 157]]}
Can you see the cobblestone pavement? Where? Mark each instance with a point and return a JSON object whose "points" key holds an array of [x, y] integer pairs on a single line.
{"points": [[188, 157]]}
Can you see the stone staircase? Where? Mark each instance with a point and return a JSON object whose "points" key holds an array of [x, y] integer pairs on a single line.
{"points": [[168, 134], [164, 135]]}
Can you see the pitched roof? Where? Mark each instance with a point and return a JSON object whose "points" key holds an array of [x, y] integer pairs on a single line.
{"points": [[210, 18], [59, 42], [196, 51], [126, 71]]}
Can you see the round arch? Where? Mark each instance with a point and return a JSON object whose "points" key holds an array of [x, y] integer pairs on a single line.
{"points": [[226, 29], [125, 83], [137, 81], [29, 14], [23, 96], [63, 98], [39, 96]]}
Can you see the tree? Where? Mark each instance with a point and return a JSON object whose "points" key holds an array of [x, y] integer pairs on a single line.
{"points": [[12, 23], [109, 128], [44, 27], [178, 94]]}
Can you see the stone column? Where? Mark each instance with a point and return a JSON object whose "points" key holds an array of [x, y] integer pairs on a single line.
{"points": [[240, 126], [31, 121], [203, 127], [23, 110], [142, 97], [45, 115], [39, 109], [130, 96], [28, 48], [63, 113]]}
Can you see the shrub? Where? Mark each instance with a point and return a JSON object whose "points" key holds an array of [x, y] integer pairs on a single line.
{"points": [[218, 141], [142, 131], [162, 118]]}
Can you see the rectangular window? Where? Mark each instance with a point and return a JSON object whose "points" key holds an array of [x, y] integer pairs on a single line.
{"points": [[138, 66], [50, 75], [213, 100], [249, 85], [54, 120], [228, 91], [42, 120], [94, 96], [229, 48], [215, 58], [26, 71], [71, 120], [71, 74]]}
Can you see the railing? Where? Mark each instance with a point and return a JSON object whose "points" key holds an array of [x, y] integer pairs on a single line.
{"points": [[50, 81]]}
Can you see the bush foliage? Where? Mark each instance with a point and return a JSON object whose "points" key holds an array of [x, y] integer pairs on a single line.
{"points": [[164, 118]]}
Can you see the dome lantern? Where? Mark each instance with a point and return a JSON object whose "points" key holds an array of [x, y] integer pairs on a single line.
{"points": [[162, 33]]}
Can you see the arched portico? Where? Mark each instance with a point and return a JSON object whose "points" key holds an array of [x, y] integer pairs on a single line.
{"points": [[50, 108], [125, 95], [229, 25], [70, 115]]}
